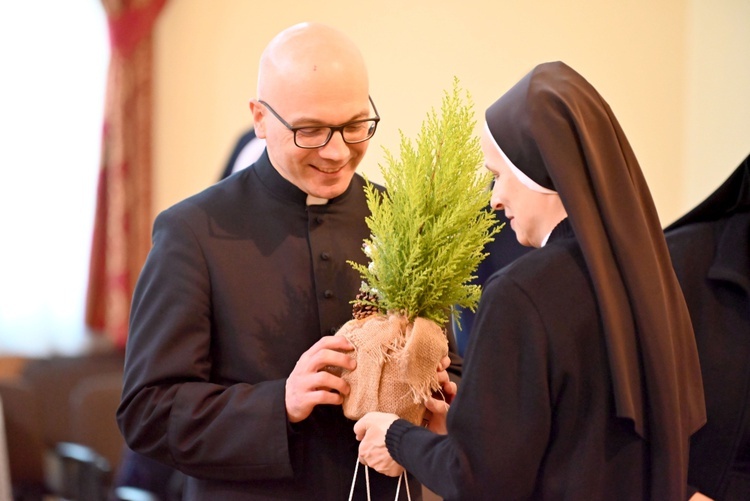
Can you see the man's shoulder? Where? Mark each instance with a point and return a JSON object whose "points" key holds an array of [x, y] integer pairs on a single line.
{"points": [[224, 197], [224, 190]]}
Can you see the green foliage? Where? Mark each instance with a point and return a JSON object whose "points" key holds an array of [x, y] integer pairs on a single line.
{"points": [[429, 229]]}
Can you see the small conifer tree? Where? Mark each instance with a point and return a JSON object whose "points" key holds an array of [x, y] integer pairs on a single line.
{"points": [[429, 228]]}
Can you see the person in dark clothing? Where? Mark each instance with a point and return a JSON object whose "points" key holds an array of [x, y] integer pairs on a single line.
{"points": [[148, 477], [139, 471], [581, 379], [245, 152], [710, 248], [234, 311], [501, 251]]}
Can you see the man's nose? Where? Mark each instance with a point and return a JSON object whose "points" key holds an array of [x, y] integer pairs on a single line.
{"points": [[336, 148]]}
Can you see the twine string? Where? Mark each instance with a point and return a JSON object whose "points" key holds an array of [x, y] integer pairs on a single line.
{"points": [[367, 483]]}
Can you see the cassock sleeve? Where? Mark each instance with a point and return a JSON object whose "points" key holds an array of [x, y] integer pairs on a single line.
{"points": [[170, 410], [499, 423]]}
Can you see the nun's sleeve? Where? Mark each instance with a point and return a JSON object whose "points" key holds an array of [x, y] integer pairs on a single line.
{"points": [[499, 422]]}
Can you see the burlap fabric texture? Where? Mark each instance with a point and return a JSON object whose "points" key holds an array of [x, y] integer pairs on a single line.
{"points": [[396, 365]]}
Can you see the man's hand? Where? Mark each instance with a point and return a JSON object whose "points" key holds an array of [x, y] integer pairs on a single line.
{"points": [[370, 431], [437, 407], [309, 384]]}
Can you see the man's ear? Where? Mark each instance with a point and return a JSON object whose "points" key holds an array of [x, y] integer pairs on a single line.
{"points": [[259, 116]]}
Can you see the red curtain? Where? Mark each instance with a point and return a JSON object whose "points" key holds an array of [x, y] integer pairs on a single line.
{"points": [[121, 238]]}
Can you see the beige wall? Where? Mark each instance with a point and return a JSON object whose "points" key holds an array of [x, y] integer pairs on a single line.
{"points": [[717, 125], [655, 62]]}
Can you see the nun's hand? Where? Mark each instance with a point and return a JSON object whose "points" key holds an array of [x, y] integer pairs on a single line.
{"points": [[370, 431]]}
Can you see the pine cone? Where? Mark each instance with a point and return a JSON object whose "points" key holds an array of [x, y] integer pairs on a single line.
{"points": [[362, 307]]}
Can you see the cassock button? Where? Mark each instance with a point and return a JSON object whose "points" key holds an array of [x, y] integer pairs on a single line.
{"points": [[328, 293], [319, 219], [332, 330], [325, 256]]}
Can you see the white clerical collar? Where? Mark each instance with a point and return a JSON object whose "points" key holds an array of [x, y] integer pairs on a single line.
{"points": [[544, 241], [311, 200]]}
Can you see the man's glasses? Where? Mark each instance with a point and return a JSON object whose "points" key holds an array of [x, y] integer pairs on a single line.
{"points": [[311, 137]]}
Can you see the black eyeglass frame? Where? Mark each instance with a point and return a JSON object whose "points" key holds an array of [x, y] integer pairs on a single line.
{"points": [[331, 128]]}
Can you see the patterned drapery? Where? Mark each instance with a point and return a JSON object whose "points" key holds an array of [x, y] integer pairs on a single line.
{"points": [[121, 238]]}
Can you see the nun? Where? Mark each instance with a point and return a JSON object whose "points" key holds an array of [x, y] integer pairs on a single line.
{"points": [[710, 249], [581, 377]]}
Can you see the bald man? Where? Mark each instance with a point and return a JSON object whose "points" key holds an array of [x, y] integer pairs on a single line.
{"points": [[235, 308]]}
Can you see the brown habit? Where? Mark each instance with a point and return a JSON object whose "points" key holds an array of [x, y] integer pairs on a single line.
{"points": [[556, 128]]}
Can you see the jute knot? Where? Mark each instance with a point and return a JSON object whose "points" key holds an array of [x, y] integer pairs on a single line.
{"points": [[397, 365]]}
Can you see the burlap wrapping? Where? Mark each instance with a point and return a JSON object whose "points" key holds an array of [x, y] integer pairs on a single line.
{"points": [[396, 365]]}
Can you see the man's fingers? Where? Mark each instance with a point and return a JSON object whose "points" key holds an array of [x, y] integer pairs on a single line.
{"points": [[449, 390], [317, 382], [444, 363], [324, 397], [310, 384], [328, 351], [330, 358], [332, 343], [436, 406], [327, 381], [443, 378]]}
